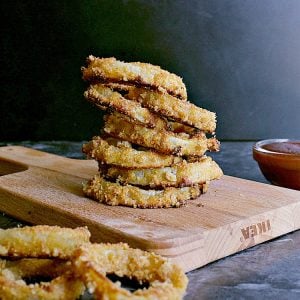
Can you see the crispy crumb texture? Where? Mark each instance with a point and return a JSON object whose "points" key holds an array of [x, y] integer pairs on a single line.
{"points": [[134, 73]]}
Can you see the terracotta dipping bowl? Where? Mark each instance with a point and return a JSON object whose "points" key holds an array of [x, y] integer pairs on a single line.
{"points": [[279, 161]]}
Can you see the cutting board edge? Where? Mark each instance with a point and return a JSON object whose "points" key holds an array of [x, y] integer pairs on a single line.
{"points": [[169, 250], [203, 255]]}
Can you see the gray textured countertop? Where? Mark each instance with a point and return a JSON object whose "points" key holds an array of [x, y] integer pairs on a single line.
{"points": [[268, 271]]}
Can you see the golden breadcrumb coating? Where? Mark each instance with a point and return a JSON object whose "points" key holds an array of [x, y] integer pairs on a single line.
{"points": [[180, 111], [133, 73], [161, 140], [151, 111], [106, 98], [41, 241], [166, 280], [151, 153], [33, 267], [120, 153], [182, 174], [113, 193], [63, 286]]}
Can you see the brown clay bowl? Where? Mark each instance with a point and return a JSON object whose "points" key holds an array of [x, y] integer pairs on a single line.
{"points": [[279, 161]]}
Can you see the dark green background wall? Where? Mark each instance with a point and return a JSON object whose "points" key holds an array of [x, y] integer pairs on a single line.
{"points": [[238, 58]]}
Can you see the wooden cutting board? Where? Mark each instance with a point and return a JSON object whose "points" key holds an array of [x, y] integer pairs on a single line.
{"points": [[235, 214]]}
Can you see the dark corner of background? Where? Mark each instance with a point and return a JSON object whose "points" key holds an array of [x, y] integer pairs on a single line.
{"points": [[240, 59]]}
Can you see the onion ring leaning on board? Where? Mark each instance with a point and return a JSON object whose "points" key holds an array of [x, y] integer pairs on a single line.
{"points": [[93, 262], [63, 286], [113, 193], [120, 153], [32, 267], [180, 175], [133, 73], [161, 140], [41, 241], [87, 266]]}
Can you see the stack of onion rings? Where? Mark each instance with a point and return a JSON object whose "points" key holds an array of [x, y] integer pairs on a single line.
{"points": [[152, 151], [73, 267]]}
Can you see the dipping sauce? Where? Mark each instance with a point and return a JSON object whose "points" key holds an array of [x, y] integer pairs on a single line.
{"points": [[284, 147], [279, 161]]}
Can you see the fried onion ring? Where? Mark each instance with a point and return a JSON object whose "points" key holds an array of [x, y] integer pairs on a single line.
{"points": [[34, 267], [92, 262], [113, 152], [113, 193], [161, 140], [105, 97], [179, 111], [180, 175], [160, 123], [42, 241], [108, 95], [134, 73], [63, 287]]}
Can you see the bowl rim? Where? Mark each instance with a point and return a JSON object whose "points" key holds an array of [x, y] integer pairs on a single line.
{"points": [[259, 144]]}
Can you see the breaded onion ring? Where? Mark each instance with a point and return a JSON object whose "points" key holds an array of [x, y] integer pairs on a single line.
{"points": [[114, 101], [113, 152], [63, 287], [105, 98], [179, 111], [134, 73], [42, 241], [161, 123], [113, 193], [108, 96], [34, 267], [93, 262], [183, 174], [161, 140]]}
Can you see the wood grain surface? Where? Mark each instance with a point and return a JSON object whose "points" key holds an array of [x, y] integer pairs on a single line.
{"points": [[235, 214]]}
